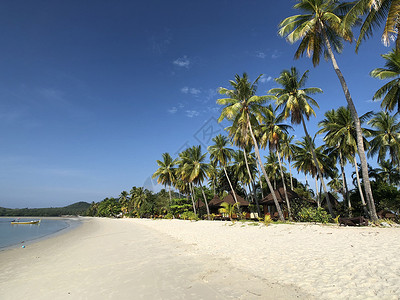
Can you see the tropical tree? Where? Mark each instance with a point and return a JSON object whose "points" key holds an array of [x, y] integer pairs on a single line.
{"points": [[377, 12], [229, 209], [388, 172], [319, 30], [166, 172], [386, 137], [305, 162], [242, 106], [390, 92], [295, 102], [220, 155], [287, 153], [194, 169], [341, 134], [272, 132], [124, 200]]}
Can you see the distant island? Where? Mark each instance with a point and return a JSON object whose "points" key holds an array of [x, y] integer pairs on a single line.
{"points": [[78, 208]]}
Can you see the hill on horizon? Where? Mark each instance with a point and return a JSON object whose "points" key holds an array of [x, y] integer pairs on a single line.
{"points": [[78, 208]]}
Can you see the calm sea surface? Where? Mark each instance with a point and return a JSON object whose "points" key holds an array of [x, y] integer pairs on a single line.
{"points": [[12, 235]]}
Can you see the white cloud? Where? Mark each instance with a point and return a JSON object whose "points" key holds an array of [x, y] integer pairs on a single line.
{"points": [[275, 55], [182, 62], [188, 90], [265, 79], [172, 110], [261, 54], [192, 113]]}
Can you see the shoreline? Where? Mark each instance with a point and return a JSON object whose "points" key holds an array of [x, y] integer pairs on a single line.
{"points": [[134, 262], [72, 223], [176, 259]]}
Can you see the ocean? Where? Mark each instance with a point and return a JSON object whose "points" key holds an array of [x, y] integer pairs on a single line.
{"points": [[19, 235]]}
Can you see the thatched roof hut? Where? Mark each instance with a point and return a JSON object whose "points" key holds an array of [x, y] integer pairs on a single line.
{"points": [[332, 199], [280, 195], [231, 200], [215, 202], [199, 203]]}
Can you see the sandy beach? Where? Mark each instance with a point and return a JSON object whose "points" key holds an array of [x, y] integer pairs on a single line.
{"points": [[175, 259]]}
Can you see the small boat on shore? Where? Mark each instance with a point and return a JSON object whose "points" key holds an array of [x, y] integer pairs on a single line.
{"points": [[14, 222]]}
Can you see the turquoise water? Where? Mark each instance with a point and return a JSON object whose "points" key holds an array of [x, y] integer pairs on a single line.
{"points": [[13, 235]]}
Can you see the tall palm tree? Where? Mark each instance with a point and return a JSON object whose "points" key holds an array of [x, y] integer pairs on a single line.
{"points": [[272, 167], [340, 133], [378, 12], [304, 162], [295, 102], [242, 107], [220, 155], [287, 153], [272, 133], [388, 172], [319, 30], [386, 137], [166, 172], [390, 92], [194, 169]]}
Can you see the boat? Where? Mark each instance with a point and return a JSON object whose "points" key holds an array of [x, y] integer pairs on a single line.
{"points": [[14, 222]]}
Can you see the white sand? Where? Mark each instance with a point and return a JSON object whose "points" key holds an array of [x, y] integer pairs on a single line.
{"points": [[123, 259], [329, 262]]}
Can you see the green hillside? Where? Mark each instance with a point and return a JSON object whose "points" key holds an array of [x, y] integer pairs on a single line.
{"points": [[78, 208]]}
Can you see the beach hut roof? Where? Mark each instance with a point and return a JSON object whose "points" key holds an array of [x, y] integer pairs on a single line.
{"points": [[332, 199], [199, 203], [216, 201], [231, 200], [280, 195]]}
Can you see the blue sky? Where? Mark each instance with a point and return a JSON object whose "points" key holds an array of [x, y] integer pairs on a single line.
{"points": [[93, 92]]}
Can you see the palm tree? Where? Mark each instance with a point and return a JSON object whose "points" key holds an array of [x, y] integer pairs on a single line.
{"points": [[341, 134], [390, 92], [229, 209], [321, 30], [272, 167], [220, 155], [295, 101], [304, 161], [124, 200], [194, 169], [388, 172], [287, 153], [378, 12], [166, 172], [242, 107], [272, 132], [386, 137]]}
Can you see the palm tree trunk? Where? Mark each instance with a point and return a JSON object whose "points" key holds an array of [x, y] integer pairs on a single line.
{"points": [[284, 186], [364, 205], [230, 184], [316, 191], [251, 179], [261, 185], [356, 119], [278, 208], [192, 196], [291, 179], [205, 201], [170, 196], [317, 167], [345, 189]]}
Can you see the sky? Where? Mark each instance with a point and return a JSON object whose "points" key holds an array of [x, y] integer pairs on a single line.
{"points": [[93, 92]]}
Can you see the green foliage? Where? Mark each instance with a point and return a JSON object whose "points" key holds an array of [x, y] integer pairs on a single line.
{"points": [[189, 215], [169, 216], [267, 220], [311, 214], [78, 208]]}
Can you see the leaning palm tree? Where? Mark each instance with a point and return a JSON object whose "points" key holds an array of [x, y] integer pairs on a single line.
{"points": [[386, 137], [378, 12], [220, 155], [272, 132], [295, 102], [319, 30], [242, 107], [166, 172], [194, 169], [390, 92], [287, 153]]}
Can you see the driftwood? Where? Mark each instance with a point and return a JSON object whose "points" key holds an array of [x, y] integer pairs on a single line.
{"points": [[356, 221]]}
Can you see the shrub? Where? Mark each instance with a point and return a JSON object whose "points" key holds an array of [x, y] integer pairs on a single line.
{"points": [[314, 215], [189, 215], [169, 216], [267, 220]]}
